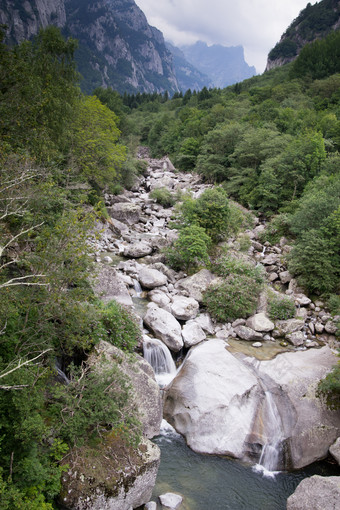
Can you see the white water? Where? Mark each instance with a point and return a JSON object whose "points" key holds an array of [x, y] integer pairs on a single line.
{"points": [[159, 357], [138, 288], [270, 455]]}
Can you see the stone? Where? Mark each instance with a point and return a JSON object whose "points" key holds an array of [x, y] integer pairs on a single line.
{"points": [[128, 213], [196, 284], [151, 278], [289, 326], [160, 298], [257, 345], [331, 328], [204, 320], [302, 300], [109, 284], [117, 226], [146, 393], [137, 249], [111, 476], [316, 493], [319, 327], [208, 402], [310, 427], [170, 501], [192, 334], [285, 276], [164, 326], [238, 322], [246, 333], [260, 322], [184, 308], [270, 259], [296, 338], [150, 506], [334, 450], [272, 277]]}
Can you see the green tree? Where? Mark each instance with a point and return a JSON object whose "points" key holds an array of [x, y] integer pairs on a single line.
{"points": [[191, 248]]}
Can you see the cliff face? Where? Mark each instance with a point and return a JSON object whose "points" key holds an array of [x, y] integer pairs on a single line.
{"points": [[314, 22], [117, 47]]}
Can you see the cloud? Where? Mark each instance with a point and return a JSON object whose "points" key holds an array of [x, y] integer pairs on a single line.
{"points": [[257, 25]]}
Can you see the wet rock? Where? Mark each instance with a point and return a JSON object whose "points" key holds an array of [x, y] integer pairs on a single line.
{"points": [[260, 322], [165, 327], [316, 493]]}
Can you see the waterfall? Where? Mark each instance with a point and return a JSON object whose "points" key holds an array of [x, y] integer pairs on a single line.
{"points": [[159, 357], [271, 450], [137, 287]]}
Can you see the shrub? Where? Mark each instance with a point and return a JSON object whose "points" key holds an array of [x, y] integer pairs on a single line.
{"points": [[334, 304], [226, 265], [234, 298], [281, 308], [329, 387], [277, 228], [163, 196], [121, 326], [244, 242], [190, 249]]}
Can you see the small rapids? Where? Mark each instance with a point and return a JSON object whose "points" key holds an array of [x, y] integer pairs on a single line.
{"points": [[159, 357]]}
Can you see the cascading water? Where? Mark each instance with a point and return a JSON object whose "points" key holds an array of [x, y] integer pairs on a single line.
{"points": [[137, 287], [271, 450], [159, 357]]}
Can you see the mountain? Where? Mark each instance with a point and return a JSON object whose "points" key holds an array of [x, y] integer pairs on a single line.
{"points": [[117, 47], [314, 22], [224, 65], [188, 76]]}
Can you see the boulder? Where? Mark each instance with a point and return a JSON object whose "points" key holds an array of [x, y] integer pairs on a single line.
{"points": [[192, 334], [204, 320], [248, 334], [316, 493], [196, 284], [170, 501], [160, 298], [137, 249], [296, 338], [151, 278], [334, 450], [150, 506], [312, 427], [184, 308], [289, 326], [212, 400], [128, 213], [331, 328], [259, 322], [285, 276], [110, 476], [109, 284], [146, 393], [164, 326]]}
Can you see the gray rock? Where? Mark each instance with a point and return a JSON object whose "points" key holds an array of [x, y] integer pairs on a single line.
{"points": [[238, 322], [88, 482], [331, 328], [270, 259], [118, 227], [296, 338], [272, 277], [150, 506], [289, 326], [316, 493], [259, 322], [197, 283], [247, 333], [192, 334], [184, 308], [170, 501], [302, 300], [257, 344], [334, 450], [151, 278], [137, 249], [160, 298], [109, 284], [128, 213], [204, 320], [285, 276], [319, 328], [164, 326]]}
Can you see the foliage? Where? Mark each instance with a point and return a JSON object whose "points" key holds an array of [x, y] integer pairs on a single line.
{"points": [[334, 304], [121, 326], [329, 388], [163, 196], [226, 265], [281, 308], [235, 297], [190, 250]]}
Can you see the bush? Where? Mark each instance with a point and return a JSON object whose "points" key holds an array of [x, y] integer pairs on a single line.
{"points": [[334, 304], [236, 297], [163, 196], [329, 387], [190, 249], [226, 265], [281, 308], [121, 326]]}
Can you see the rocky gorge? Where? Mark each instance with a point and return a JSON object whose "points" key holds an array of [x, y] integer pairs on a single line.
{"points": [[245, 389]]}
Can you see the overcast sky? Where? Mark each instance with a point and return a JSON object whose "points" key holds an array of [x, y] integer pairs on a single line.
{"points": [[257, 25]]}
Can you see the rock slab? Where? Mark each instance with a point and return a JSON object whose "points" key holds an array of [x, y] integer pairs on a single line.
{"points": [[316, 493]]}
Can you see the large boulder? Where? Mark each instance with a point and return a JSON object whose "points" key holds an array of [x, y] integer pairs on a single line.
{"points": [[248, 334], [137, 249], [110, 476], [192, 333], [196, 284], [146, 394], [213, 399], [312, 427], [151, 278], [128, 213], [164, 326], [109, 284], [260, 322], [184, 308], [316, 493]]}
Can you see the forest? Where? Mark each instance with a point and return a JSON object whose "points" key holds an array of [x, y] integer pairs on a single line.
{"points": [[270, 143]]}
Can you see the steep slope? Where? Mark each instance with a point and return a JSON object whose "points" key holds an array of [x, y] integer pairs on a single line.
{"points": [[188, 76], [314, 22], [223, 65], [117, 47]]}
